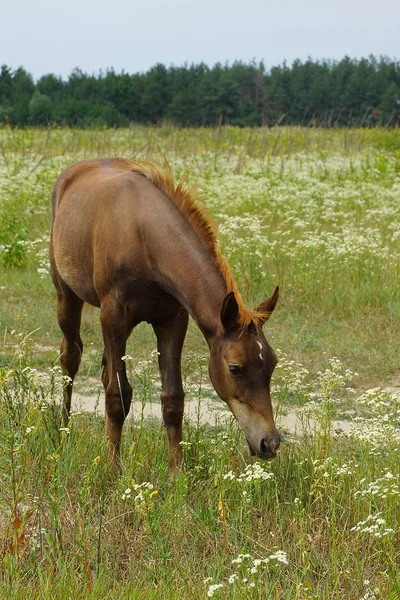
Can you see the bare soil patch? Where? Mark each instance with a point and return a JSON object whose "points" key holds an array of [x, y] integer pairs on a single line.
{"points": [[205, 412]]}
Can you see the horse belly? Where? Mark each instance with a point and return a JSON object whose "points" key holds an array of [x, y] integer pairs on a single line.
{"points": [[74, 266]]}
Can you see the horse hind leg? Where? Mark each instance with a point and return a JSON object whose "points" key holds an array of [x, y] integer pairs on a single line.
{"points": [[104, 370], [117, 389], [69, 311]]}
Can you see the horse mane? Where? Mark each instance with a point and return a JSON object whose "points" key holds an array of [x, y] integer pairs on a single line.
{"points": [[186, 198]]}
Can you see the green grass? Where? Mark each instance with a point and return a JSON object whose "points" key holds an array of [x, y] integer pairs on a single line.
{"points": [[315, 211], [71, 528]]}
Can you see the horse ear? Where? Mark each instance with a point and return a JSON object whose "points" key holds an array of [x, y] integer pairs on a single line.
{"points": [[268, 305], [229, 311]]}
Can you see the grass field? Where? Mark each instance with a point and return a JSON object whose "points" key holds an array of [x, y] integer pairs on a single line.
{"points": [[314, 211]]}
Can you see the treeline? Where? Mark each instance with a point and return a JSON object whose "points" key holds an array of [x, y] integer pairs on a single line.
{"points": [[325, 93]]}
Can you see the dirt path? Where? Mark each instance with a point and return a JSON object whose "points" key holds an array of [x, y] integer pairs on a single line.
{"points": [[207, 412]]}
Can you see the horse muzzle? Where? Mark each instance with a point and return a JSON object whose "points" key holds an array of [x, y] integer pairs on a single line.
{"points": [[267, 448]]}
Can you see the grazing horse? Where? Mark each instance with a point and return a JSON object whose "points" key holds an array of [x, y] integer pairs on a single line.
{"points": [[127, 239]]}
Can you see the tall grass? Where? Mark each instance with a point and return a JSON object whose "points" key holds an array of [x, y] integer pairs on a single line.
{"points": [[321, 521], [313, 210], [318, 213]]}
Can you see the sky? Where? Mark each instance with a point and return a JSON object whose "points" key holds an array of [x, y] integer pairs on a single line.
{"points": [[54, 36]]}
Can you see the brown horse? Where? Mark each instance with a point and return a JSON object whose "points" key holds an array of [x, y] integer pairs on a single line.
{"points": [[127, 239]]}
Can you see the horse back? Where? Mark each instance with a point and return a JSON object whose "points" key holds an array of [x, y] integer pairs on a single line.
{"points": [[100, 210], [82, 171]]}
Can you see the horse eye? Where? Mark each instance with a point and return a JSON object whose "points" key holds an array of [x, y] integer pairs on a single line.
{"points": [[235, 370]]}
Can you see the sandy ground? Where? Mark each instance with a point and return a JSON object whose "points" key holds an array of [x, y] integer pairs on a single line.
{"points": [[206, 412]]}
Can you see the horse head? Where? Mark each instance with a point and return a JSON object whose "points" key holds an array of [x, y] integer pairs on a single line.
{"points": [[240, 367]]}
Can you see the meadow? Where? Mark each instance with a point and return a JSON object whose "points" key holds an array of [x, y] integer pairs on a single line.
{"points": [[315, 211]]}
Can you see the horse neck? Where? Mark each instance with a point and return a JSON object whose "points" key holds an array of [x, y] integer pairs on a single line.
{"points": [[195, 279]]}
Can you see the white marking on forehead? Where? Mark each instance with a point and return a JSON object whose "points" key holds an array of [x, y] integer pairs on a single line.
{"points": [[260, 346]]}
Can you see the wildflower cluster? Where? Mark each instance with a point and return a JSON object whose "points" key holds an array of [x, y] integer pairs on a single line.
{"points": [[331, 469], [380, 401], [213, 587], [248, 571], [334, 380], [143, 368], [380, 431], [377, 435], [33, 398], [332, 390], [185, 445], [289, 376], [224, 440], [383, 487], [375, 525], [371, 593], [254, 472], [142, 495], [324, 227]]}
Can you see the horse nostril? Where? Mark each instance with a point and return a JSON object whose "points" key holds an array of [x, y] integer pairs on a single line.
{"points": [[264, 449], [268, 447], [274, 445]]}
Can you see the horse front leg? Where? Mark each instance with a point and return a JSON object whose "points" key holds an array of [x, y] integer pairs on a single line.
{"points": [[69, 311], [117, 389], [170, 337]]}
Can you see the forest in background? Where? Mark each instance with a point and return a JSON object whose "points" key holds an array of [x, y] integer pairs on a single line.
{"points": [[325, 93]]}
